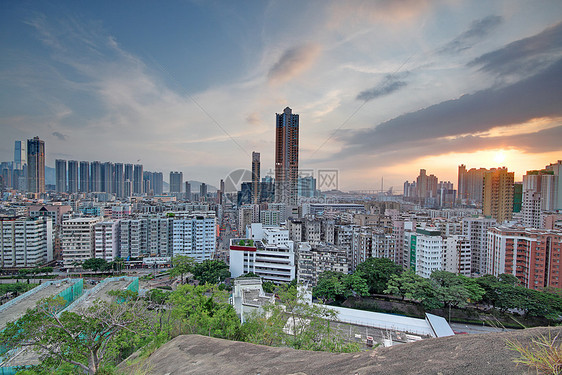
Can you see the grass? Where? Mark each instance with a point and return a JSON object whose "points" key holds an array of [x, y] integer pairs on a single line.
{"points": [[543, 354]]}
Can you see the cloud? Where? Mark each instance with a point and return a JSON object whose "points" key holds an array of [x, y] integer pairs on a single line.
{"points": [[60, 136], [534, 97], [293, 62], [477, 31], [253, 118], [388, 86], [375, 11], [525, 55]]}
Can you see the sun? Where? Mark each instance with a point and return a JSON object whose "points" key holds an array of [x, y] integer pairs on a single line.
{"points": [[499, 157]]}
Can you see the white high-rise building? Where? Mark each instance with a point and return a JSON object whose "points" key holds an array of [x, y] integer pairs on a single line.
{"points": [[134, 238], [160, 232], [540, 193], [457, 255], [25, 242], [195, 236], [107, 236], [475, 229], [423, 251], [77, 240]]}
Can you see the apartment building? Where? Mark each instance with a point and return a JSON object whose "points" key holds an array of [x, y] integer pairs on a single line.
{"points": [[25, 242], [77, 240]]}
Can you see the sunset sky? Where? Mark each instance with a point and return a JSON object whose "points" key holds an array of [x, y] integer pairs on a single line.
{"points": [[383, 88]]}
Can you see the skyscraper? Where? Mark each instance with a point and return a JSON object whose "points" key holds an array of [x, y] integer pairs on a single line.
{"points": [[137, 180], [158, 183], [119, 180], [187, 191], [60, 175], [129, 172], [497, 194], [107, 177], [286, 157], [72, 176], [20, 155], [203, 191], [95, 176], [176, 182], [255, 177], [220, 193], [84, 176], [470, 184], [36, 165]]}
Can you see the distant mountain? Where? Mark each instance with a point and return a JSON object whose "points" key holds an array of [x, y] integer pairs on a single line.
{"points": [[195, 186]]}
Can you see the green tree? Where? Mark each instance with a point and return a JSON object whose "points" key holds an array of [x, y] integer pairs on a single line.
{"points": [[377, 272], [295, 323], [414, 287], [158, 296], [330, 286], [455, 290], [82, 338], [211, 271], [117, 264], [268, 286], [204, 310], [16, 288], [355, 285], [95, 264], [337, 286], [181, 265]]}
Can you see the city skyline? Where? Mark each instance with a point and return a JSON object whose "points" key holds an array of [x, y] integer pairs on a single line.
{"points": [[383, 89]]}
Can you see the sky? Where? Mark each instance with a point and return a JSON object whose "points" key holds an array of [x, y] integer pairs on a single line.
{"points": [[383, 88]]}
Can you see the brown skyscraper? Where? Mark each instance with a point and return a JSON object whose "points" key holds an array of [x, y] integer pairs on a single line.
{"points": [[35, 165], [255, 177], [286, 157], [497, 194]]}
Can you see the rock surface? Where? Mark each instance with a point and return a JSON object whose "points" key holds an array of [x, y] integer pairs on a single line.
{"points": [[460, 354]]}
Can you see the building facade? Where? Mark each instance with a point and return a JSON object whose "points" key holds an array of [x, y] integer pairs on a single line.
{"points": [[35, 165], [286, 157], [25, 242], [497, 194], [531, 255], [77, 240]]}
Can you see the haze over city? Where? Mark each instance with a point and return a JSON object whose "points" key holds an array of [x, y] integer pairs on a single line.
{"points": [[383, 88]]}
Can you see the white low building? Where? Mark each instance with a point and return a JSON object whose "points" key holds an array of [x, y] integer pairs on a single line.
{"points": [[267, 252]]}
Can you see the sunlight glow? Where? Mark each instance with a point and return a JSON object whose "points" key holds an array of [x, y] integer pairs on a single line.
{"points": [[499, 157]]}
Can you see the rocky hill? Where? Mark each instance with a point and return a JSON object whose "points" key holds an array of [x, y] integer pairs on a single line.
{"points": [[461, 354]]}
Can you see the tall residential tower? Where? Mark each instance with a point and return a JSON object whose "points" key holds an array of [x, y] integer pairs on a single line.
{"points": [[286, 157], [36, 165], [255, 177]]}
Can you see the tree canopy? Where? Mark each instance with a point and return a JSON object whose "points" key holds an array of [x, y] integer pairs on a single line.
{"points": [[377, 272], [337, 286], [95, 264], [295, 323], [204, 310], [181, 265], [83, 339], [211, 271]]}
